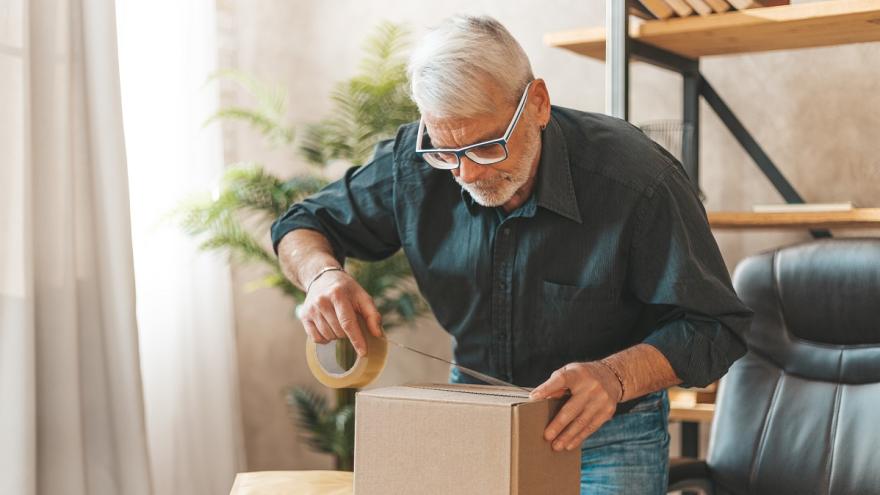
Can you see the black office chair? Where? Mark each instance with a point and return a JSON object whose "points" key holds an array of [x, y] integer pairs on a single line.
{"points": [[800, 413]]}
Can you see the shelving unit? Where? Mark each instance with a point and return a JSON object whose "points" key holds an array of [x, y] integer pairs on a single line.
{"points": [[677, 44], [784, 27]]}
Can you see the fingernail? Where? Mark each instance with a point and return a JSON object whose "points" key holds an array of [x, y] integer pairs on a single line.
{"points": [[557, 446]]}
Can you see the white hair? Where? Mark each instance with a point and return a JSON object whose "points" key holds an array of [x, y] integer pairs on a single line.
{"points": [[455, 65]]}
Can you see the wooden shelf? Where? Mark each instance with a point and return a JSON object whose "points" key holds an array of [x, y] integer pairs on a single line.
{"points": [[827, 23], [855, 218], [687, 404], [697, 413]]}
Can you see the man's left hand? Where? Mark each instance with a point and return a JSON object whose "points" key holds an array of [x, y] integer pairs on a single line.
{"points": [[594, 394]]}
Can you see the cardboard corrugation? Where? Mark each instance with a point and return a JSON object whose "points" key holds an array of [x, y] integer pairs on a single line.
{"points": [[458, 439]]}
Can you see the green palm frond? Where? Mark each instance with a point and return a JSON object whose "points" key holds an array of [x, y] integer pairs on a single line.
{"points": [[247, 199], [366, 108], [394, 292], [250, 187], [328, 430], [270, 113]]}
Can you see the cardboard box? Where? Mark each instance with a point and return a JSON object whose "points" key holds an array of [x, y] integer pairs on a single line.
{"points": [[458, 439]]}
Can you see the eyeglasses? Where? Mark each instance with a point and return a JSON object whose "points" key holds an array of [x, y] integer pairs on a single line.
{"points": [[483, 153]]}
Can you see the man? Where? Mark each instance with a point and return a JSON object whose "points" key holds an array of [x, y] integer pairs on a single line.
{"points": [[563, 250]]}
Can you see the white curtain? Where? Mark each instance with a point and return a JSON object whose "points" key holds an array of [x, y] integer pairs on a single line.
{"points": [[167, 51], [71, 411]]}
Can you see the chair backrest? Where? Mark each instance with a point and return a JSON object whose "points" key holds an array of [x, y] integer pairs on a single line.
{"points": [[800, 413]]}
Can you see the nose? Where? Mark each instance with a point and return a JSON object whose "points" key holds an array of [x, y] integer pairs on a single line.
{"points": [[469, 171]]}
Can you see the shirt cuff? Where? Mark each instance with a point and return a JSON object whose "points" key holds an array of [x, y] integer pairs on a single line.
{"points": [[700, 352]]}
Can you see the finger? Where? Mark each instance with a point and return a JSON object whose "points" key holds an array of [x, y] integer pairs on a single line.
{"points": [[349, 322], [594, 426], [552, 387], [328, 315], [580, 426], [557, 394], [371, 315], [569, 411], [328, 330], [313, 333]]}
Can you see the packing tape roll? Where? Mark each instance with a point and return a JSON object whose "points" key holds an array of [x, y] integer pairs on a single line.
{"points": [[321, 359]]}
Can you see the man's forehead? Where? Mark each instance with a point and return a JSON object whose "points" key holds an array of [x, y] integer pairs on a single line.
{"points": [[453, 132]]}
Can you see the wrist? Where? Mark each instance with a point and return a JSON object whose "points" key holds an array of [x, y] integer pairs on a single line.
{"points": [[615, 379], [319, 273]]}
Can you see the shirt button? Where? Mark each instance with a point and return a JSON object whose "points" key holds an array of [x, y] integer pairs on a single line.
{"points": [[501, 285], [505, 231]]}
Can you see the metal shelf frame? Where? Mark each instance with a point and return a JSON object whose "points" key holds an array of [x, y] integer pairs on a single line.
{"points": [[620, 49]]}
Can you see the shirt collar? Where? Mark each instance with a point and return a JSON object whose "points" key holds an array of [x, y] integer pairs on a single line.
{"points": [[554, 189]]}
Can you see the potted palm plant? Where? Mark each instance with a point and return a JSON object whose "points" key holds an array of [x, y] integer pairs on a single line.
{"points": [[367, 108]]}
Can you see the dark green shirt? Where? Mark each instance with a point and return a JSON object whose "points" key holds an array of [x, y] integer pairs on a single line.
{"points": [[612, 249]]}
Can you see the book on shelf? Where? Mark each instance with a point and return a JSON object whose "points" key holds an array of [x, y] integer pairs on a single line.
{"points": [[680, 7], [700, 6], [719, 6], [755, 4], [639, 10], [658, 8], [803, 207]]}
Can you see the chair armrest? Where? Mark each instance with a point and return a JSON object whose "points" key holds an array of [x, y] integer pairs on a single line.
{"points": [[693, 474]]}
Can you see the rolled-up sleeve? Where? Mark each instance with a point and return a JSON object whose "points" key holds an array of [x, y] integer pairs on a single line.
{"points": [[355, 213], [676, 265]]}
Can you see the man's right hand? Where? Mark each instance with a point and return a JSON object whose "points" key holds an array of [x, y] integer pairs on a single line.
{"points": [[332, 308]]}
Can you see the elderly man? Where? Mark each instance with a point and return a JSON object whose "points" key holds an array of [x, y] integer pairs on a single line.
{"points": [[562, 250]]}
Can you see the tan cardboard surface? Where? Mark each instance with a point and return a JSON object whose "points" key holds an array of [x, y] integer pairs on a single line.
{"points": [[454, 439], [438, 392], [535, 465]]}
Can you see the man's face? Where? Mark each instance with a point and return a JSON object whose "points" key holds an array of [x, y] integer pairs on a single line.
{"points": [[491, 185]]}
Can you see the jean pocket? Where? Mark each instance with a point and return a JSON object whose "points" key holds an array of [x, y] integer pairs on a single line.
{"points": [[652, 402], [646, 424]]}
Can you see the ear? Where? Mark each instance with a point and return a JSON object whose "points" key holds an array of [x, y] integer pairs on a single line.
{"points": [[539, 100]]}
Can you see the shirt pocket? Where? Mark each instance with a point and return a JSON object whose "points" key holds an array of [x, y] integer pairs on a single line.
{"points": [[579, 323]]}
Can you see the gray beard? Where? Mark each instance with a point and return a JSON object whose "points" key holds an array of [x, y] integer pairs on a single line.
{"points": [[500, 189], [497, 191]]}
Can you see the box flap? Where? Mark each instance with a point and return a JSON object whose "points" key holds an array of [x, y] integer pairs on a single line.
{"points": [[536, 467], [489, 395]]}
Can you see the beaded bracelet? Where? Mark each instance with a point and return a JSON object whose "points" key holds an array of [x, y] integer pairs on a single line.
{"points": [[619, 379]]}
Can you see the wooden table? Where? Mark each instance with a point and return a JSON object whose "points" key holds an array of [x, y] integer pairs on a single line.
{"points": [[293, 482]]}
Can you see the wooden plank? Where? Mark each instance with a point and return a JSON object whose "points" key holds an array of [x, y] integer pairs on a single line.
{"points": [[700, 413], [701, 7], [754, 4], [855, 218], [681, 8], [658, 8], [828, 23], [303, 482], [719, 6], [684, 404]]}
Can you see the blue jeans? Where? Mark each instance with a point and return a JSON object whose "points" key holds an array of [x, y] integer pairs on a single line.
{"points": [[630, 453]]}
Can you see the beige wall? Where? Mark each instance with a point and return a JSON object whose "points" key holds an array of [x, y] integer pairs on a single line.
{"points": [[815, 111]]}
